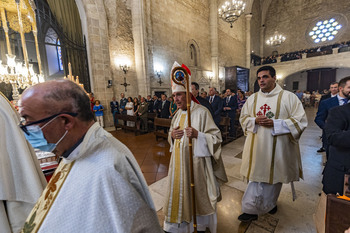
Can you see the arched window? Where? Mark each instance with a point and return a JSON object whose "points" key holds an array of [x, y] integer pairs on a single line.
{"points": [[59, 54], [193, 55], [53, 53]]}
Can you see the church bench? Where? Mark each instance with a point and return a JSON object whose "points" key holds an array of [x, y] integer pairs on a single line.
{"points": [[238, 127], [125, 119], [224, 128], [150, 121], [161, 127]]}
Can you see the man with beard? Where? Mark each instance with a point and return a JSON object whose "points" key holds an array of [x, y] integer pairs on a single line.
{"points": [[325, 105]]}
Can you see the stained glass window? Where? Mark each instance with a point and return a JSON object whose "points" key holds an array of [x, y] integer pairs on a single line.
{"points": [[59, 55], [325, 30]]}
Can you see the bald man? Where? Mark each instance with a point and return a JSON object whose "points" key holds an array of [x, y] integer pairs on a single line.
{"points": [[98, 186]]}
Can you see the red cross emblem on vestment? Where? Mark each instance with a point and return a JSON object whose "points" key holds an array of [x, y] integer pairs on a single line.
{"points": [[265, 108]]}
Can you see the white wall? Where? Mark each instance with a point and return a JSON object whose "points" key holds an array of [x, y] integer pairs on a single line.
{"points": [[300, 77], [342, 73]]}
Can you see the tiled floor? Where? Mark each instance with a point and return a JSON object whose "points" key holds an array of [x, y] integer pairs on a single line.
{"points": [[291, 217], [152, 156]]}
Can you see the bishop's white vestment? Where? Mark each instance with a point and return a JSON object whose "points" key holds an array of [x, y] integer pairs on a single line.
{"points": [[21, 179], [208, 173], [99, 187], [272, 155]]}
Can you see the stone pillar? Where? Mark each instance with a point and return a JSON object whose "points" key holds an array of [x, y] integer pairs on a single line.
{"points": [[214, 40], [262, 40], [248, 49], [140, 46]]}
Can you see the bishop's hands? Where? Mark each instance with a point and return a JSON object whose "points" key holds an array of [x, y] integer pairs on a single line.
{"points": [[264, 121], [177, 133]]}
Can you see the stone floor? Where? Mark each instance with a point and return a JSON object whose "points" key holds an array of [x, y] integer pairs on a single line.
{"points": [[296, 217]]}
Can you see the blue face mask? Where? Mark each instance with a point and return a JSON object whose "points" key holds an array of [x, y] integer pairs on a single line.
{"points": [[36, 138]]}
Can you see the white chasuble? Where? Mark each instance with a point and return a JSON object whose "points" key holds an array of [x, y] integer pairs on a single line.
{"points": [[272, 155], [99, 187], [208, 170], [21, 178]]}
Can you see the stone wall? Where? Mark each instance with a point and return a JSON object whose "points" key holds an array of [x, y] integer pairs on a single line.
{"points": [[121, 45], [292, 18], [255, 27], [95, 28], [232, 43], [173, 25]]}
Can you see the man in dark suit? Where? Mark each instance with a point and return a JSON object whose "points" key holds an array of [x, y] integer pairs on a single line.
{"points": [[150, 104], [229, 109], [156, 103], [333, 91], [114, 109], [338, 136], [326, 105], [164, 107], [201, 100], [216, 104], [122, 104]]}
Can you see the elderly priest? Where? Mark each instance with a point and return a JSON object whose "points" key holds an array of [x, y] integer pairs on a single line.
{"points": [[207, 166], [98, 186]]}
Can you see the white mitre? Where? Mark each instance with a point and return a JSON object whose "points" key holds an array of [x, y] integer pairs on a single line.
{"points": [[176, 87]]}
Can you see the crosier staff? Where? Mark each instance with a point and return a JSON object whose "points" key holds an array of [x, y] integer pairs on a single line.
{"points": [[179, 75]]}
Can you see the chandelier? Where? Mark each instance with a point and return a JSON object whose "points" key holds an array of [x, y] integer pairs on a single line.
{"points": [[18, 73], [230, 11], [276, 39], [20, 17]]}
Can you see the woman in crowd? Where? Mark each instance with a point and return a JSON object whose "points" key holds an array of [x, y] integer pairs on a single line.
{"points": [[306, 99], [136, 106], [240, 100], [130, 111], [317, 98], [92, 100], [173, 107]]}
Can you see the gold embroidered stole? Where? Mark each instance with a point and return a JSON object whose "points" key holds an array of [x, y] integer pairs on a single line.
{"points": [[175, 200], [42, 207], [272, 168]]}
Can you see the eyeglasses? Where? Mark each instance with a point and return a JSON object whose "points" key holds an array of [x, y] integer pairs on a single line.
{"points": [[23, 124]]}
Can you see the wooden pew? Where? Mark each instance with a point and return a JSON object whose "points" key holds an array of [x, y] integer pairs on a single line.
{"points": [[238, 127], [224, 128], [124, 125], [159, 125], [150, 121]]}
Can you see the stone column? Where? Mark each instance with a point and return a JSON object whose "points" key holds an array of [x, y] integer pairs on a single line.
{"points": [[262, 40], [248, 49], [140, 46], [214, 40]]}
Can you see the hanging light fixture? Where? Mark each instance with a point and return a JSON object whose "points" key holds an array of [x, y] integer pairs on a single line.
{"points": [[276, 39], [230, 11], [18, 74]]}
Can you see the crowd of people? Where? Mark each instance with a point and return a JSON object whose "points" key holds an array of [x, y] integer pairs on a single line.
{"points": [[310, 99], [228, 103], [316, 51], [99, 185]]}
